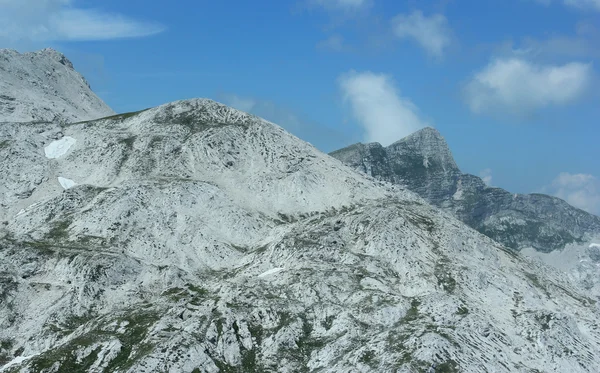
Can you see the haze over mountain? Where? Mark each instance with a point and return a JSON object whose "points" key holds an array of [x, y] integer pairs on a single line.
{"points": [[196, 237]]}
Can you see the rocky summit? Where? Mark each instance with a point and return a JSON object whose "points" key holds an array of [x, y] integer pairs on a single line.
{"points": [[44, 86], [193, 237], [424, 164]]}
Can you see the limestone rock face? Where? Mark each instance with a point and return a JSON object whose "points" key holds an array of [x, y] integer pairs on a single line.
{"points": [[195, 237], [43, 86], [424, 164]]}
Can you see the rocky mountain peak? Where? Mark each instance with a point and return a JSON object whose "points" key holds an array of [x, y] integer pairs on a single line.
{"points": [[194, 237], [43, 86], [53, 54], [200, 110], [423, 162], [425, 148]]}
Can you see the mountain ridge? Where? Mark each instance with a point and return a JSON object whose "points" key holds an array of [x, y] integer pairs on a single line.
{"points": [[195, 237], [44, 86], [516, 220], [207, 238]]}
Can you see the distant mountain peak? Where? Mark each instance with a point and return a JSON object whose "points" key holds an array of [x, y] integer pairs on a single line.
{"points": [[43, 86], [424, 163], [426, 147]]}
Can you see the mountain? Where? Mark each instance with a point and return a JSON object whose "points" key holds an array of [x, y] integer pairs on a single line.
{"points": [[423, 162], [43, 86], [193, 237]]}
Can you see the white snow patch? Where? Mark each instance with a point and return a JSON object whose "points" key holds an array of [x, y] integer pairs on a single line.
{"points": [[594, 245], [16, 361], [58, 148], [66, 183], [271, 271]]}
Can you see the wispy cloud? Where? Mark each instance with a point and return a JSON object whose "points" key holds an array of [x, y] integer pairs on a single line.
{"points": [[245, 104], [343, 5], [578, 4], [517, 86], [432, 33], [62, 20], [333, 43], [378, 107], [580, 190], [584, 42], [323, 137], [584, 4], [486, 176]]}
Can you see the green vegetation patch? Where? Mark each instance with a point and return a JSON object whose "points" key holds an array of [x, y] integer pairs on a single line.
{"points": [[193, 294], [443, 274], [413, 312], [59, 230], [533, 279], [133, 347], [462, 311]]}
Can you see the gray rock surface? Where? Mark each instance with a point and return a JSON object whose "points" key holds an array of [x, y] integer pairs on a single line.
{"points": [[43, 86], [195, 237], [424, 164]]}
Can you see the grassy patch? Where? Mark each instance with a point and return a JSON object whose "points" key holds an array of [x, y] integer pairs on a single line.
{"points": [[59, 230], [367, 357], [533, 279], [413, 312], [443, 275], [462, 311], [128, 141], [197, 290], [544, 321], [328, 322], [448, 367], [132, 346]]}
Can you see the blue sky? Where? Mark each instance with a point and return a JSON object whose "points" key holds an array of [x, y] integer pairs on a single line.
{"points": [[511, 84]]}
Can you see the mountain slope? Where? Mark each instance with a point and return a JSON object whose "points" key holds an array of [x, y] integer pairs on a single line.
{"points": [[43, 87], [194, 237], [423, 162]]}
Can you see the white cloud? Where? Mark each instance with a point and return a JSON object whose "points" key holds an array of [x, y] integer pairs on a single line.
{"points": [[580, 4], [486, 176], [241, 103], [334, 43], [345, 5], [376, 104], [584, 4], [580, 190], [58, 20], [518, 86], [432, 33]]}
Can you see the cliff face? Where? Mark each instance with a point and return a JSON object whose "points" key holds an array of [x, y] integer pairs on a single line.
{"points": [[424, 164]]}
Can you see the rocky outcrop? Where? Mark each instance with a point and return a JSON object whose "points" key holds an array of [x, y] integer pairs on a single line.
{"points": [[194, 237], [43, 86], [424, 164]]}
